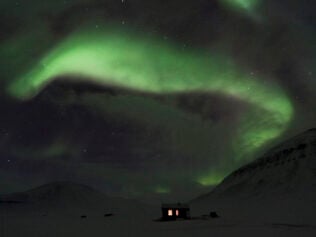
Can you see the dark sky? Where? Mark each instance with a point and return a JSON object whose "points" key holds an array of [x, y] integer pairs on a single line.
{"points": [[150, 98]]}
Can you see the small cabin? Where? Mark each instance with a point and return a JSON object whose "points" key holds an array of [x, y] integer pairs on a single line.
{"points": [[175, 211]]}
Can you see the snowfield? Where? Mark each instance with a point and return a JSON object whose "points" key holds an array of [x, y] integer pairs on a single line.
{"points": [[94, 225]]}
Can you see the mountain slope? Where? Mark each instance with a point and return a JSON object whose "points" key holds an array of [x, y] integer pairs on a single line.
{"points": [[71, 198], [287, 168], [58, 195], [281, 185]]}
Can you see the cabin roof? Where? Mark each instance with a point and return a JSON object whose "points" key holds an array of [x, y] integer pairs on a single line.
{"points": [[175, 205]]}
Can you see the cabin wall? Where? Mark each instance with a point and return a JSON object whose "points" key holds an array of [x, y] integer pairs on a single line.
{"points": [[183, 213]]}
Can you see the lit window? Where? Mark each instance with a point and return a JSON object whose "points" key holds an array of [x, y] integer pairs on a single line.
{"points": [[170, 212], [177, 212]]}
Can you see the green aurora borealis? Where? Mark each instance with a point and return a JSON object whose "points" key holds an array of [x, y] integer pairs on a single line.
{"points": [[128, 61], [244, 5], [157, 97]]}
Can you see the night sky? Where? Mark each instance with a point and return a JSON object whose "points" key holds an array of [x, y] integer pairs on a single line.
{"points": [[150, 98]]}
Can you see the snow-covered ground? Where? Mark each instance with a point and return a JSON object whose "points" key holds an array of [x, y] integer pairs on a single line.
{"points": [[94, 225]]}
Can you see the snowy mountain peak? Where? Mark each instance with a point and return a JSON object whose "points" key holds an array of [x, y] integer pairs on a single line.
{"points": [[57, 192]]}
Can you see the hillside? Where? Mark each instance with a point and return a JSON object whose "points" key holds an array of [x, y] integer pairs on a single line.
{"points": [[281, 184], [70, 199]]}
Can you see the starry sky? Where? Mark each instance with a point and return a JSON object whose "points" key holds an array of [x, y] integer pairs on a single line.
{"points": [[150, 99]]}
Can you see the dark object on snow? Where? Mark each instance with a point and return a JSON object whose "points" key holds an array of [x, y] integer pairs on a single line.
{"points": [[213, 214], [108, 214], [83, 216], [175, 211]]}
